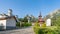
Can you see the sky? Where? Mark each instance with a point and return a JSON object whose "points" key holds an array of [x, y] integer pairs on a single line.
{"points": [[31, 7]]}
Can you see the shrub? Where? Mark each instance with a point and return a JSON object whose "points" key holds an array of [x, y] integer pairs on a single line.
{"points": [[43, 25], [36, 24], [46, 30], [23, 24], [18, 24], [36, 27], [27, 24]]}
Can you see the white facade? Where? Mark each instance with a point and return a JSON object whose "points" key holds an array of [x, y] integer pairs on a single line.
{"points": [[8, 21], [48, 22], [3, 23], [11, 22]]}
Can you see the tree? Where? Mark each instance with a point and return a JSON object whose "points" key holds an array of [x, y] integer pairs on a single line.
{"points": [[56, 18], [32, 18], [21, 19]]}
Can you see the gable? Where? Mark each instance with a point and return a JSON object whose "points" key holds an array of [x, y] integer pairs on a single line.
{"points": [[9, 17]]}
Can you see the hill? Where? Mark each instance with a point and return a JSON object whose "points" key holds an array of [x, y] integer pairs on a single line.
{"points": [[55, 17]]}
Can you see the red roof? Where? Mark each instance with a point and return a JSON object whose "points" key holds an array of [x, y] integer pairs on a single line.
{"points": [[41, 20]]}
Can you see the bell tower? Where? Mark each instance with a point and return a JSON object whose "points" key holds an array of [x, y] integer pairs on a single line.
{"points": [[40, 16], [40, 20]]}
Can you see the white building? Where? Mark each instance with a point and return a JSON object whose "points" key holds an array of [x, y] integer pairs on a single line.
{"points": [[48, 22], [8, 21]]}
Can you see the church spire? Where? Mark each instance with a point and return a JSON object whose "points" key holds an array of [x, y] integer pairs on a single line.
{"points": [[40, 15]]}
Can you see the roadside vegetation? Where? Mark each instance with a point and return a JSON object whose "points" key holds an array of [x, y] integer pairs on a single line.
{"points": [[23, 22], [53, 29], [46, 30]]}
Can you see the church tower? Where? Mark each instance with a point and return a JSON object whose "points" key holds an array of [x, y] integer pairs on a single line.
{"points": [[10, 12], [40, 16], [40, 19]]}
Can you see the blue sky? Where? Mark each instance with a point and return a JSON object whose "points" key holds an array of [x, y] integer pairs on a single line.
{"points": [[23, 7]]}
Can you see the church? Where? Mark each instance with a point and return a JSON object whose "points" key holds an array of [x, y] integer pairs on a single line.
{"points": [[40, 19], [8, 21]]}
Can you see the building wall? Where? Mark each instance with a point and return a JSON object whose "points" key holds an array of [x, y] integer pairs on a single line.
{"points": [[11, 22], [8, 24], [2, 24]]}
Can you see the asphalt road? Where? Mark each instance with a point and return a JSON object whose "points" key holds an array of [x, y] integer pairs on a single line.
{"points": [[27, 30]]}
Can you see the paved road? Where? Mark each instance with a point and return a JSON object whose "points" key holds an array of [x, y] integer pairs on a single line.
{"points": [[27, 30]]}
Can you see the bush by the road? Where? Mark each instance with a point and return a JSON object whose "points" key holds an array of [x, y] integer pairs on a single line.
{"points": [[27, 24], [23, 24], [46, 30]]}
